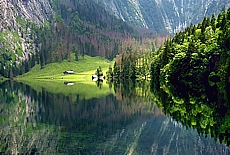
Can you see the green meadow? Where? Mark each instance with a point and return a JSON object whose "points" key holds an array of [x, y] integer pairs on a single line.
{"points": [[51, 78], [83, 69]]}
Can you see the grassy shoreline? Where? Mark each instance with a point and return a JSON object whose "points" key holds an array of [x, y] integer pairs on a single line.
{"points": [[83, 70], [51, 78]]}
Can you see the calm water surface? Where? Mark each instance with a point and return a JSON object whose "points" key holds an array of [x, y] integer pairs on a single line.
{"points": [[121, 120]]}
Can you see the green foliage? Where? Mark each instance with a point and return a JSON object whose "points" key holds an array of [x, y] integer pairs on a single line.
{"points": [[109, 73], [131, 65], [99, 71], [191, 56]]}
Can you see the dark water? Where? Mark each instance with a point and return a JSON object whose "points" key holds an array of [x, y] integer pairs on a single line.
{"points": [[126, 121]]}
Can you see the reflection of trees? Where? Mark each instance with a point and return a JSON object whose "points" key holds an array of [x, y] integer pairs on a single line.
{"points": [[94, 119], [202, 107], [66, 122], [132, 90], [86, 114], [99, 83]]}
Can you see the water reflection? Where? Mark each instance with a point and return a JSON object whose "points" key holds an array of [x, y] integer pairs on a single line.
{"points": [[69, 83], [203, 107], [125, 122]]}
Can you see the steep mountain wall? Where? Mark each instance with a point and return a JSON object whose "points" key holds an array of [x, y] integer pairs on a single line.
{"points": [[16, 39], [33, 10], [164, 16]]}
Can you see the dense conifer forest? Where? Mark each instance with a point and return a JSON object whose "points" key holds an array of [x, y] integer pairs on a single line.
{"points": [[199, 55]]}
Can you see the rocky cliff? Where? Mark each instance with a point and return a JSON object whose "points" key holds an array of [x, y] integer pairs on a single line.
{"points": [[16, 18], [36, 11], [164, 16]]}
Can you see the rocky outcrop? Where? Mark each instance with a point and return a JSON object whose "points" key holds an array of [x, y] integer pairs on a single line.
{"points": [[36, 11]]}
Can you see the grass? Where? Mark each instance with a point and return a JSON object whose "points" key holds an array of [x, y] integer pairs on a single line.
{"points": [[52, 79], [83, 69]]}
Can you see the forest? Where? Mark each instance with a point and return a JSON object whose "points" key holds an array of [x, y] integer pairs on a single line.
{"points": [[197, 56]]}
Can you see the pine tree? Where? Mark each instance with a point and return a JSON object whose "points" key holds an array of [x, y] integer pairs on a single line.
{"points": [[213, 23], [166, 52], [223, 22], [109, 73], [74, 50]]}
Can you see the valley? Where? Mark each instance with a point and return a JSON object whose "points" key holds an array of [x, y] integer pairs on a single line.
{"points": [[166, 88]]}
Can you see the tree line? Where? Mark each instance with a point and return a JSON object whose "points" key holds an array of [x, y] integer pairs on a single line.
{"points": [[197, 56]]}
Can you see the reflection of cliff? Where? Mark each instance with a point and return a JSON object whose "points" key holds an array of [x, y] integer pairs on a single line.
{"points": [[48, 123], [161, 136], [94, 119], [20, 139], [19, 130]]}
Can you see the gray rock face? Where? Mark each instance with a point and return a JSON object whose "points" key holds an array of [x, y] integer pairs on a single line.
{"points": [[33, 10], [164, 16], [15, 37]]}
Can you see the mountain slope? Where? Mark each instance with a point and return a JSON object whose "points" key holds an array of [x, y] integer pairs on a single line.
{"points": [[164, 16], [18, 22], [47, 31]]}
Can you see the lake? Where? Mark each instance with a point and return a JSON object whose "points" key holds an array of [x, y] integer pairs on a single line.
{"points": [[120, 119]]}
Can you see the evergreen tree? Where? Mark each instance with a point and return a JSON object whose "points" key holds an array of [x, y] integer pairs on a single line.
{"points": [[213, 23], [74, 50], [109, 73], [99, 72]]}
